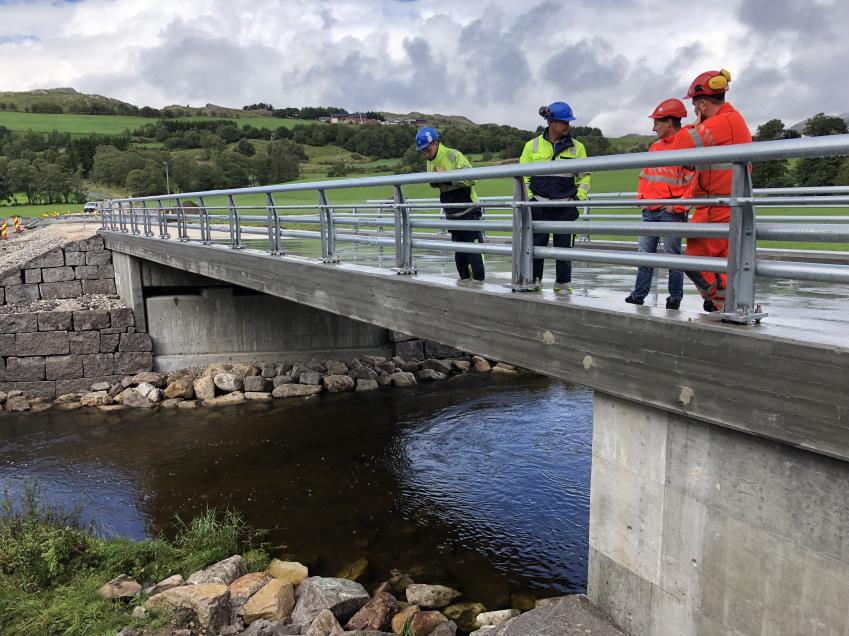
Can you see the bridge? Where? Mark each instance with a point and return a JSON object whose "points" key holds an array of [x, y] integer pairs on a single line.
{"points": [[720, 446]]}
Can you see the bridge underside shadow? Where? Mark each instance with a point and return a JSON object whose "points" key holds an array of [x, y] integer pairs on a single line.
{"points": [[711, 488]]}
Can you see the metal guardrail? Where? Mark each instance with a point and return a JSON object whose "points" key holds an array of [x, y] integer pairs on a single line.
{"points": [[138, 214]]}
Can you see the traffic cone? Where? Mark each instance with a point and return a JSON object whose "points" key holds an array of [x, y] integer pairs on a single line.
{"points": [[17, 221], [3, 230]]}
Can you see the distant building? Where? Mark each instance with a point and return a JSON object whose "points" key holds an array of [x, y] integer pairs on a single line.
{"points": [[353, 118]]}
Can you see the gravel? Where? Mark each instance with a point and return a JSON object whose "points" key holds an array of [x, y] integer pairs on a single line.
{"points": [[89, 301], [20, 248]]}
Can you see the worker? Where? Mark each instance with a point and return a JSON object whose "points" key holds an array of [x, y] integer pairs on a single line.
{"points": [[440, 158], [556, 144], [666, 182], [717, 124]]}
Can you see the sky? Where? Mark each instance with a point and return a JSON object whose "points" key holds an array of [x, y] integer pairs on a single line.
{"points": [[490, 60]]}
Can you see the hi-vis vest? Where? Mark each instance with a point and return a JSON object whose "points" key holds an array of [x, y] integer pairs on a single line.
{"points": [[564, 185], [456, 191], [665, 182]]}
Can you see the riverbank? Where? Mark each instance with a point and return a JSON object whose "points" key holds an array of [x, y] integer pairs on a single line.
{"points": [[83, 584]]}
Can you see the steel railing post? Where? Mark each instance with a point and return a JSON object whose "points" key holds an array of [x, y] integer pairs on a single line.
{"points": [[163, 220], [273, 226], [203, 221], [235, 223], [182, 232], [328, 231], [523, 240], [146, 219], [403, 235], [742, 251], [122, 222]]}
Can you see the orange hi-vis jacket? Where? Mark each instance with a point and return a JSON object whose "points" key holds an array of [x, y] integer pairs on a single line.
{"points": [[665, 182], [726, 127]]}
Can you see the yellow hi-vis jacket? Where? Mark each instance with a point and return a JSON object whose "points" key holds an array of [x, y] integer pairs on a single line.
{"points": [[564, 185], [456, 191]]}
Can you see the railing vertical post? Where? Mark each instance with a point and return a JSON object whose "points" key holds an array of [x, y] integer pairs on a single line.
{"points": [[146, 219], [182, 230], [273, 226], [742, 251], [403, 235], [121, 220], [523, 240], [132, 218], [235, 224], [203, 219], [163, 220], [328, 231]]}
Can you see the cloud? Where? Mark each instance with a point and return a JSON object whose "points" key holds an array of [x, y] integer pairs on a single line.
{"points": [[491, 60]]}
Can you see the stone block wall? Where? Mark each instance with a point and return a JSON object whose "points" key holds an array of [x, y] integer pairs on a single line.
{"points": [[47, 349]]}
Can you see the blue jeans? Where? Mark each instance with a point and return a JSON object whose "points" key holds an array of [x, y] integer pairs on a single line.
{"points": [[671, 245]]}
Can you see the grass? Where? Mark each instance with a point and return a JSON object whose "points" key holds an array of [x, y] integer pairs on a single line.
{"points": [[79, 125], [51, 565]]}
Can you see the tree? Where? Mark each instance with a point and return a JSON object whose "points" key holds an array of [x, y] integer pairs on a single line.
{"points": [[246, 148], [6, 191], [842, 177], [820, 172], [22, 177], [771, 174]]}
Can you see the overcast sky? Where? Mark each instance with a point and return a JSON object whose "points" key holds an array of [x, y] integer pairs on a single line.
{"points": [[490, 60]]}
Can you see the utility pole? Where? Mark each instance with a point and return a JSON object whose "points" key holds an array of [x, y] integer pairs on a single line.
{"points": [[167, 180]]}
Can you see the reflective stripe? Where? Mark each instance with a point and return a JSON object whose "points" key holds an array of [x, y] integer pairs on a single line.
{"points": [[709, 138], [659, 179], [697, 139], [452, 156], [536, 145]]}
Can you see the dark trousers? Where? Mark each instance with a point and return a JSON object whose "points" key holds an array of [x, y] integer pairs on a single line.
{"points": [[468, 265], [563, 269]]}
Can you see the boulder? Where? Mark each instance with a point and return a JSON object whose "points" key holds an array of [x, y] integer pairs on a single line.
{"points": [[243, 588], [316, 365], [340, 596], [171, 582], [430, 596], [443, 366], [502, 368], [96, 398], [258, 384], [399, 582], [151, 377], [132, 398], [406, 365], [464, 614], [263, 627], [485, 619], [445, 629], [295, 390], [188, 404], [65, 397], [171, 403], [244, 370], [564, 616], [121, 587], [367, 385], [229, 381], [100, 386], [399, 620], [287, 571], [354, 571], [481, 365], [268, 370], [204, 388], [403, 378], [146, 389], [429, 375], [376, 614], [310, 377], [335, 367], [384, 379], [325, 624], [460, 366], [281, 379], [228, 399], [109, 408], [209, 602], [363, 373], [224, 572], [258, 396], [17, 404], [272, 602], [180, 387], [338, 383]]}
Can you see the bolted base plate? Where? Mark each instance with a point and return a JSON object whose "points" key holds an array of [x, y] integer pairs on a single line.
{"points": [[405, 271], [741, 319]]}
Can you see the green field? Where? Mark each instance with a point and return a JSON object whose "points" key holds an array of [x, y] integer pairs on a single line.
{"points": [[79, 125]]}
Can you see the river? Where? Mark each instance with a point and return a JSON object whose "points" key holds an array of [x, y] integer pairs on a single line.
{"points": [[479, 482]]}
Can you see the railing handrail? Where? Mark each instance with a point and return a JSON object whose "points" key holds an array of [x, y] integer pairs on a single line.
{"points": [[757, 151]]}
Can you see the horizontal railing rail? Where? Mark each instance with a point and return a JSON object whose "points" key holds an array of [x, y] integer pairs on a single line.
{"points": [[216, 215]]}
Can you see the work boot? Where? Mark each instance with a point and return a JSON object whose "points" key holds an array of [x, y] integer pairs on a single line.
{"points": [[673, 303], [634, 300], [562, 289], [710, 307]]}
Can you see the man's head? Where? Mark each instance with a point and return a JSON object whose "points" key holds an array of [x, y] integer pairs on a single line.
{"points": [[708, 92], [667, 117], [427, 142], [558, 115]]}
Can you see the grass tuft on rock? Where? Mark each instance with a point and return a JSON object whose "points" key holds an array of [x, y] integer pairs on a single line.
{"points": [[52, 564]]}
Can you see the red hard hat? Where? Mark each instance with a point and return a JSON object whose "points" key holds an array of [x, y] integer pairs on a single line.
{"points": [[710, 83], [671, 107]]}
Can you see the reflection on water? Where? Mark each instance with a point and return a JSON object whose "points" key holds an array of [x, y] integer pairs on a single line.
{"points": [[477, 482]]}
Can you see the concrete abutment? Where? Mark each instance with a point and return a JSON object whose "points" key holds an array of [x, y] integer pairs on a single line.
{"points": [[697, 529]]}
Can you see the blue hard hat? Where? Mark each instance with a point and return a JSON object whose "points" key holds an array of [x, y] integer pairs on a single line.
{"points": [[425, 137], [560, 111]]}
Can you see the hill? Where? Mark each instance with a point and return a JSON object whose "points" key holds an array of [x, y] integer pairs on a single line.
{"points": [[800, 126], [437, 120], [67, 98]]}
